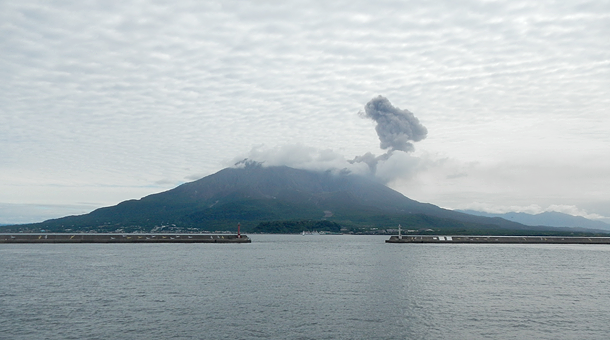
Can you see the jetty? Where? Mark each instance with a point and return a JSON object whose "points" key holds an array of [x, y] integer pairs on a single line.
{"points": [[121, 238], [498, 239]]}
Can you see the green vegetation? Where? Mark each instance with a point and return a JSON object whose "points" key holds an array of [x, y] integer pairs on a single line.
{"points": [[284, 200], [259, 216], [295, 227]]}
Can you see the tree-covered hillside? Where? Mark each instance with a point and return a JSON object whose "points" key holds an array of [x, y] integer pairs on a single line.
{"points": [[255, 194]]}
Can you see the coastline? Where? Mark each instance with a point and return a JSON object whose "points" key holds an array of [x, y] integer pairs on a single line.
{"points": [[120, 238], [498, 239]]}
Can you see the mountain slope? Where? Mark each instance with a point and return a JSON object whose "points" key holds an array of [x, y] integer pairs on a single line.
{"points": [[551, 219], [255, 194]]}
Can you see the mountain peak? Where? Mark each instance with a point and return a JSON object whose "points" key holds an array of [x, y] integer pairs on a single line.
{"points": [[253, 193]]}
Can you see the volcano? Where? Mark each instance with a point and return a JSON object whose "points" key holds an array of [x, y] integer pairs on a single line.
{"points": [[253, 194]]}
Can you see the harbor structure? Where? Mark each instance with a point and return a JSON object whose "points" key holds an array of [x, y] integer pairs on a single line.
{"points": [[121, 238], [498, 239]]}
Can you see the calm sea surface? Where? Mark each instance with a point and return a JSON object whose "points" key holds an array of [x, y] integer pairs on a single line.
{"points": [[304, 287]]}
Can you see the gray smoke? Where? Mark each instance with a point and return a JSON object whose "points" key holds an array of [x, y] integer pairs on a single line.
{"points": [[395, 127], [371, 160]]}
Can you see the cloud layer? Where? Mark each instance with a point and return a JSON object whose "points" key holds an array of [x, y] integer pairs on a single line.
{"points": [[125, 98]]}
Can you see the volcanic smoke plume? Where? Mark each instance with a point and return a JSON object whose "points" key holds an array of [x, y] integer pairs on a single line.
{"points": [[397, 130], [395, 127]]}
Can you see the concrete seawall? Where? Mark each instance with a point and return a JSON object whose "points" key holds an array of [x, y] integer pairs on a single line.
{"points": [[121, 238], [499, 239]]}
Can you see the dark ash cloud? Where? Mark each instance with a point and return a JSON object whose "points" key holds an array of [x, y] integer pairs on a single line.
{"points": [[395, 127], [371, 160]]}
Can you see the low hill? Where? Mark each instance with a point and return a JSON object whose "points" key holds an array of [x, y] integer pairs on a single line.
{"points": [[550, 219], [255, 194]]}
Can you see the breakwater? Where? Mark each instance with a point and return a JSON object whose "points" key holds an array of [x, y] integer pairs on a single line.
{"points": [[121, 238], [499, 239]]}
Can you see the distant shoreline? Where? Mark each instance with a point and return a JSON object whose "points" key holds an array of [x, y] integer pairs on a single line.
{"points": [[499, 239], [120, 238]]}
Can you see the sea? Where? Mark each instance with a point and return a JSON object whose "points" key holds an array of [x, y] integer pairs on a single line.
{"points": [[304, 287]]}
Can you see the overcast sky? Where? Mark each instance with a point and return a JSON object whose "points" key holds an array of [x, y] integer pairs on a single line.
{"points": [[104, 101]]}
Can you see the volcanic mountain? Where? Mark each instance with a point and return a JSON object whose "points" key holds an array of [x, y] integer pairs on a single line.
{"points": [[253, 194]]}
